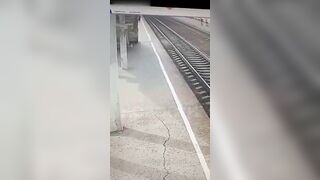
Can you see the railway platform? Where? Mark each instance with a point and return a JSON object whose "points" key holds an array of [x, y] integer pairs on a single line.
{"points": [[166, 132]]}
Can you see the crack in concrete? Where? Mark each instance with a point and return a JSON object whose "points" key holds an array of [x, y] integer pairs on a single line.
{"points": [[165, 148]]}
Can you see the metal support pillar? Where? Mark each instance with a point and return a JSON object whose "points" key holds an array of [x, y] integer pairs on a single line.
{"points": [[123, 42], [115, 121]]}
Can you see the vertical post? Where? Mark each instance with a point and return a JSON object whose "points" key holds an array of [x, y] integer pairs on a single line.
{"points": [[123, 42], [115, 121]]}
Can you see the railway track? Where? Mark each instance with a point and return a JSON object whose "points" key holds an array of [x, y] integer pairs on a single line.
{"points": [[198, 37], [191, 62]]}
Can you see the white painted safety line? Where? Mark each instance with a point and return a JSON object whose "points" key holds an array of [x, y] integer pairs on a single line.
{"points": [[181, 111]]}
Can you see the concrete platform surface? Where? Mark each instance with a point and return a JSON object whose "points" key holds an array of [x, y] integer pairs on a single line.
{"points": [[155, 143]]}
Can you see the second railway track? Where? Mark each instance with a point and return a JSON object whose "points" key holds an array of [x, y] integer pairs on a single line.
{"points": [[191, 62]]}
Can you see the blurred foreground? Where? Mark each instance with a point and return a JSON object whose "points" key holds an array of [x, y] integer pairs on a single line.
{"points": [[54, 79], [266, 108]]}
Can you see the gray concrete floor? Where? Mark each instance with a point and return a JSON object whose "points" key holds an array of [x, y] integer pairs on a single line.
{"points": [[155, 143]]}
